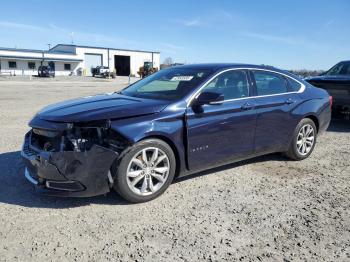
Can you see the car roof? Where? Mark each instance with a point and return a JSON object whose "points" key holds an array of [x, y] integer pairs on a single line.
{"points": [[215, 67], [223, 66]]}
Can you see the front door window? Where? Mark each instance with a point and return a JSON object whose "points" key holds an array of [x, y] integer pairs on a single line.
{"points": [[232, 84]]}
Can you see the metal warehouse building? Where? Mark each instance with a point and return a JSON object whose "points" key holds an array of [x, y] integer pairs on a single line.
{"points": [[75, 59]]}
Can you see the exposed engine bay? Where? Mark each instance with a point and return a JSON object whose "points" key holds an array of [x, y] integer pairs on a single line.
{"points": [[66, 160], [78, 138]]}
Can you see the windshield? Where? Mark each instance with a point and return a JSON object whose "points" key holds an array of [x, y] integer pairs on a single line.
{"points": [[168, 84], [342, 68]]}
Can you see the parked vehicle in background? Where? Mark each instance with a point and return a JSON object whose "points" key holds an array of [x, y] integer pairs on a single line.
{"points": [[46, 71], [102, 71], [337, 83], [178, 121], [147, 69]]}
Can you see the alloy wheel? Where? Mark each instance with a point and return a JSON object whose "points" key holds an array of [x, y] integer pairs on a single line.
{"points": [[305, 140], [148, 171]]}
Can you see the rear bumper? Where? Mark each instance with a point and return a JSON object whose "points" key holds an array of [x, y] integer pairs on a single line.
{"points": [[68, 173], [324, 118]]}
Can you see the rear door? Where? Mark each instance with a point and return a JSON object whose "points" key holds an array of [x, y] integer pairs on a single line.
{"points": [[275, 102], [219, 132]]}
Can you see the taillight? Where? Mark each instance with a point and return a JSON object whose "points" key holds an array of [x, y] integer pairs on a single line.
{"points": [[331, 101]]}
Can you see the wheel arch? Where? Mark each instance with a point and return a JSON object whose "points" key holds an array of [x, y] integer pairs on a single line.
{"points": [[167, 130], [172, 146], [315, 120]]}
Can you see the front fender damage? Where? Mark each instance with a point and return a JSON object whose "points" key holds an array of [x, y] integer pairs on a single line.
{"points": [[90, 168], [73, 162]]}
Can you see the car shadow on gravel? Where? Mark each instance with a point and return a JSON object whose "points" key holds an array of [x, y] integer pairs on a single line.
{"points": [[16, 190], [265, 158], [336, 125], [339, 125]]}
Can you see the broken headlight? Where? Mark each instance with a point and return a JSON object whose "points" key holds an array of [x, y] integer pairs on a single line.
{"points": [[79, 138]]}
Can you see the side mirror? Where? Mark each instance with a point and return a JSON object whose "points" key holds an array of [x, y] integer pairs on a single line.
{"points": [[206, 98]]}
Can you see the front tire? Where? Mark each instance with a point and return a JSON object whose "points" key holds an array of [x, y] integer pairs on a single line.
{"points": [[304, 140], [145, 171]]}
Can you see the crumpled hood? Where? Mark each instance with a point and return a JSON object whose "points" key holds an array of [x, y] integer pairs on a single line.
{"points": [[99, 107]]}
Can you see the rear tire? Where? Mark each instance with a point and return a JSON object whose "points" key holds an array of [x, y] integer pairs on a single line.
{"points": [[145, 171], [304, 140]]}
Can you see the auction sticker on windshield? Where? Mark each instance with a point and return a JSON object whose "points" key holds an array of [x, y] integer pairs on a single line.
{"points": [[181, 78]]}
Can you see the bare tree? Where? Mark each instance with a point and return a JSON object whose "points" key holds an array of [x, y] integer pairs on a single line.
{"points": [[168, 61], [306, 73]]}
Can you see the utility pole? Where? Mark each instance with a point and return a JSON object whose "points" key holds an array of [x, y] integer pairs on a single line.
{"points": [[49, 46], [72, 35]]}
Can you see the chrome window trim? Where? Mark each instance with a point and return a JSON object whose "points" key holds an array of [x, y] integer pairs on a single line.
{"points": [[195, 94]]}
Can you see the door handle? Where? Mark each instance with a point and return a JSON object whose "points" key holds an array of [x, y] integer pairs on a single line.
{"points": [[289, 101], [247, 106]]}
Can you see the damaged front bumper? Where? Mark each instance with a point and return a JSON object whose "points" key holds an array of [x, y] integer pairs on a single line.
{"points": [[69, 173]]}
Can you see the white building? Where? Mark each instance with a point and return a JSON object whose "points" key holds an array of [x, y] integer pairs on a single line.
{"points": [[75, 59]]}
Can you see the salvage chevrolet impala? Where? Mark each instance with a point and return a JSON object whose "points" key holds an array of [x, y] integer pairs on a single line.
{"points": [[175, 122]]}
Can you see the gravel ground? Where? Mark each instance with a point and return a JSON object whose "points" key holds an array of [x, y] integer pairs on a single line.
{"points": [[262, 209]]}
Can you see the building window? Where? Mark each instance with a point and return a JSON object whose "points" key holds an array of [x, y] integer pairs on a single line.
{"points": [[67, 67], [31, 65], [12, 64]]}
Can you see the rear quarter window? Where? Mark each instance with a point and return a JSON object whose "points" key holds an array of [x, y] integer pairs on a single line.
{"points": [[293, 85]]}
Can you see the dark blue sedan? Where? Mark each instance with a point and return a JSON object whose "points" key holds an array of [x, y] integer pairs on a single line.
{"points": [[175, 122]]}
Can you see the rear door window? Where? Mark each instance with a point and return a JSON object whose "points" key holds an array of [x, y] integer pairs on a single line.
{"points": [[268, 83]]}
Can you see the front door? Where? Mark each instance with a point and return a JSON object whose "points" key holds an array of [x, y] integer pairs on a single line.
{"points": [[275, 105], [220, 132]]}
